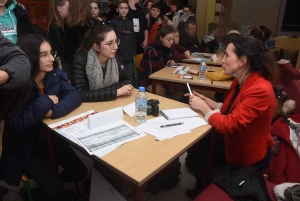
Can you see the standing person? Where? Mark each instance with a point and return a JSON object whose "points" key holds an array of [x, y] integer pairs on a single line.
{"points": [[14, 86], [112, 13], [185, 16], [98, 74], [138, 17], [180, 52], [95, 11], [58, 11], [148, 6], [157, 56], [154, 22], [209, 41], [24, 151], [250, 105], [124, 31], [14, 20], [164, 7], [79, 20], [174, 18]]}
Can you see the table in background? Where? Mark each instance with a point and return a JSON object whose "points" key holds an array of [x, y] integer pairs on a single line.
{"points": [[139, 160], [165, 76], [208, 61]]}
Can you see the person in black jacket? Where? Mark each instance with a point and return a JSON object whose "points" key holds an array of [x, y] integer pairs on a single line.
{"points": [[209, 41], [97, 73], [58, 11], [234, 32], [124, 31], [188, 38], [14, 20], [24, 150]]}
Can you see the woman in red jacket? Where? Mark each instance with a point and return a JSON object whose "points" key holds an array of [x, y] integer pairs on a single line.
{"points": [[245, 117]]}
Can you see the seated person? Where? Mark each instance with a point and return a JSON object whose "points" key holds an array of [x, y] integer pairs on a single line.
{"points": [[156, 56], [14, 20], [268, 38], [154, 22], [209, 41], [234, 31], [189, 39], [24, 150], [256, 32], [186, 15], [97, 74], [180, 52]]}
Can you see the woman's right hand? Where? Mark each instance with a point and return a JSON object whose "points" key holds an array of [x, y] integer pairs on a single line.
{"points": [[196, 94], [125, 90], [53, 98]]}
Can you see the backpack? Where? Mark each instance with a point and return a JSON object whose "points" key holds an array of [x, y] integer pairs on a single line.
{"points": [[167, 178]]}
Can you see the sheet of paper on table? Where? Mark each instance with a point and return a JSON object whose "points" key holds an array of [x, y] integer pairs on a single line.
{"points": [[181, 70], [129, 109], [152, 127], [283, 61]]}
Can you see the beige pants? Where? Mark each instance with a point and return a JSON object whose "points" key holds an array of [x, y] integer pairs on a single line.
{"points": [[160, 90]]}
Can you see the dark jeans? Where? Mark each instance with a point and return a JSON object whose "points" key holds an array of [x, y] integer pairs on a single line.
{"points": [[50, 183]]}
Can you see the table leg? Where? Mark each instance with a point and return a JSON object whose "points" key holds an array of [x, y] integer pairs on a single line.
{"points": [[138, 193], [153, 87]]}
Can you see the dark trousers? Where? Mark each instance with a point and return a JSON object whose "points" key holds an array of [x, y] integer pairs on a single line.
{"points": [[50, 183]]}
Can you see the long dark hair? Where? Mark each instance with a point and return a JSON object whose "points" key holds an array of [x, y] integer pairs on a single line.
{"points": [[259, 57], [162, 33], [96, 34], [54, 16], [30, 45]]}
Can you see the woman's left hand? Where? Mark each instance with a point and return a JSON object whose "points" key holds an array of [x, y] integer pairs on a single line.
{"points": [[196, 103], [171, 63], [144, 44]]}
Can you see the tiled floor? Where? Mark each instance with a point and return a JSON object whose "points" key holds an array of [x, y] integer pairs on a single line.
{"points": [[175, 194]]}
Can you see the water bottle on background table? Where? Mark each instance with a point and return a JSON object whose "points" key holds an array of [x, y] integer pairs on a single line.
{"points": [[202, 70], [220, 49], [141, 106]]}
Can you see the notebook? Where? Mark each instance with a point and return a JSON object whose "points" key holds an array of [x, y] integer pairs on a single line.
{"points": [[178, 113]]}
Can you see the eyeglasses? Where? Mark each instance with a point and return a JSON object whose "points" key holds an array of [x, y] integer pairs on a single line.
{"points": [[46, 55], [111, 44]]}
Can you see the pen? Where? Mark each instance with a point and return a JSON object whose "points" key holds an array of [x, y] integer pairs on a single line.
{"points": [[175, 124], [189, 89]]}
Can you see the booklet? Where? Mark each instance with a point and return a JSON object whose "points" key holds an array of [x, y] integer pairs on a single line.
{"points": [[179, 113]]}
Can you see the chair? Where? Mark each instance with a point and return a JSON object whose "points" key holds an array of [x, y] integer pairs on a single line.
{"points": [[288, 73], [137, 61]]}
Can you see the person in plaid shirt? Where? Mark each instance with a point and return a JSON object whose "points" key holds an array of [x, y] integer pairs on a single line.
{"points": [[156, 56]]}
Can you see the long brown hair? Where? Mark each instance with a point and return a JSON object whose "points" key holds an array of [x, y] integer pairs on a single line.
{"points": [[79, 13], [54, 16]]}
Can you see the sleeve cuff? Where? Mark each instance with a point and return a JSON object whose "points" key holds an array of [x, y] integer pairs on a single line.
{"points": [[208, 115], [219, 106]]}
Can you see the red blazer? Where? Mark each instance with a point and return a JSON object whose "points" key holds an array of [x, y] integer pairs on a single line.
{"points": [[247, 126], [154, 30], [285, 167]]}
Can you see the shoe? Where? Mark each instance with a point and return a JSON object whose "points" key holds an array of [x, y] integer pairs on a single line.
{"points": [[3, 190], [193, 193]]}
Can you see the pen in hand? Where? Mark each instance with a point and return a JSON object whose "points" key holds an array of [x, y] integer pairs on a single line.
{"points": [[191, 94], [175, 124]]}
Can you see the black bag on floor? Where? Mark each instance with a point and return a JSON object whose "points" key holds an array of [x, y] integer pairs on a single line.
{"points": [[167, 178]]}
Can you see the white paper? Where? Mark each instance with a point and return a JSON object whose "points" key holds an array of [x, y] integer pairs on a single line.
{"points": [[196, 59], [73, 125], [283, 61], [152, 127], [214, 57], [136, 24], [129, 109], [104, 139], [105, 118], [182, 70]]}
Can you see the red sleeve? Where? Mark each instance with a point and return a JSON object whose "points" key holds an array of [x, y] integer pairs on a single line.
{"points": [[178, 57], [252, 104], [180, 49]]}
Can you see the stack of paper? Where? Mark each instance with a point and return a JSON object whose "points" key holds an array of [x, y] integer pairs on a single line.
{"points": [[181, 70]]}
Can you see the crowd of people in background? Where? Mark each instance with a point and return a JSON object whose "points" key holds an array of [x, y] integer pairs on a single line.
{"points": [[96, 54]]}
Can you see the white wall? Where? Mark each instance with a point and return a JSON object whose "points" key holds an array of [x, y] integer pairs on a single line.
{"points": [[256, 13]]}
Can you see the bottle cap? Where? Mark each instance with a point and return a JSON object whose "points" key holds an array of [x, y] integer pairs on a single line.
{"points": [[203, 59], [141, 88]]}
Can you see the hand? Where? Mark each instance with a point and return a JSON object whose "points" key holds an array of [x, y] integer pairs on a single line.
{"points": [[197, 103], [193, 71], [125, 90], [187, 54], [3, 77], [197, 95], [49, 114], [171, 63], [53, 98], [166, 19], [144, 44]]}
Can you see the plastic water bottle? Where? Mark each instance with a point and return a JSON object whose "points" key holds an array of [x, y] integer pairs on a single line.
{"points": [[220, 49], [141, 106], [202, 70]]}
